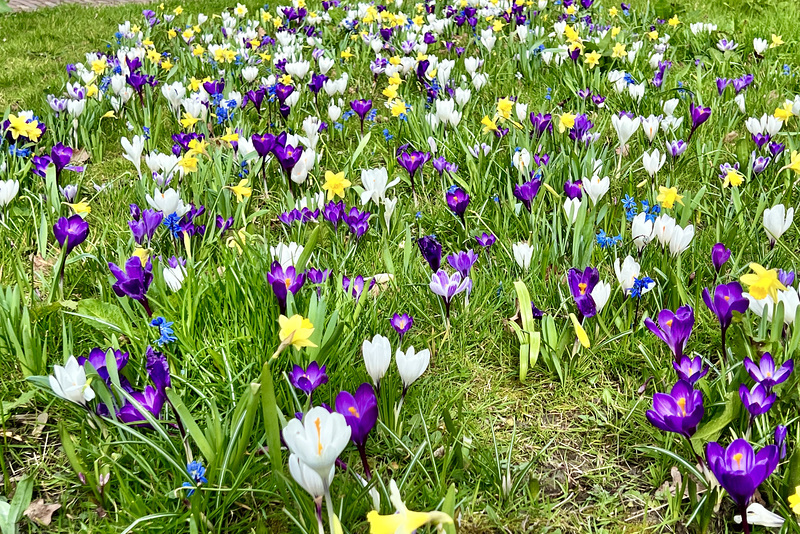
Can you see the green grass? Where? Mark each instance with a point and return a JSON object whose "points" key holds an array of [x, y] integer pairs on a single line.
{"points": [[580, 436]]}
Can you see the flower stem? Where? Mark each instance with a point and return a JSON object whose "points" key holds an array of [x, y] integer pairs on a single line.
{"points": [[745, 524], [362, 451]]}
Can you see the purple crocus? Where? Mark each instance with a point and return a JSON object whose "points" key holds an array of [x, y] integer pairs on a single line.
{"points": [[134, 281], [526, 192], [361, 108], [360, 411], [411, 162], [541, 123], [573, 189], [457, 201], [699, 115], [676, 148], [674, 328], [447, 287], [150, 399], [70, 232], [401, 324], [690, 370], [309, 379], [486, 240], [431, 250], [284, 281], [758, 400], [765, 373], [780, 440], [145, 227], [354, 287], [726, 300], [462, 261], [581, 284], [740, 470], [679, 411], [786, 277], [719, 256], [97, 357]]}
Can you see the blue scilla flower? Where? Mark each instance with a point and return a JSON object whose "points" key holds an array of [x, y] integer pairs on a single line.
{"points": [[173, 224], [14, 150], [167, 335], [197, 473], [338, 125], [640, 285], [604, 240], [630, 79], [629, 202], [386, 135]]}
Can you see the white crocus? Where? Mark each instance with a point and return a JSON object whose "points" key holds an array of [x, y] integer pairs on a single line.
{"points": [[8, 191], [132, 151], [777, 220], [596, 187], [653, 161], [600, 294], [572, 207], [309, 479], [168, 202], [411, 364], [69, 382], [627, 272], [759, 46], [758, 515], [286, 255], [625, 127], [642, 231], [523, 253], [318, 440], [521, 160], [663, 227], [375, 183], [680, 239], [174, 276], [174, 93], [650, 126], [377, 357]]}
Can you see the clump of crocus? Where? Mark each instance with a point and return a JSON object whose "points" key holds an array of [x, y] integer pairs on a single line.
{"points": [[740, 470], [361, 413], [727, 299], [674, 328]]}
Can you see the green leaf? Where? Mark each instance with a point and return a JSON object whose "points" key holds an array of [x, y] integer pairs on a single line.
{"points": [[191, 426], [712, 429], [449, 507], [103, 316]]}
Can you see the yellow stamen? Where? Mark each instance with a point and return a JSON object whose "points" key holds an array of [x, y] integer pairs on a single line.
{"points": [[582, 286], [353, 411], [319, 438], [682, 404]]}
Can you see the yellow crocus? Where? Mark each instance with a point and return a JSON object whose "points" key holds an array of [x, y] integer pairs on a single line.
{"points": [[580, 332], [668, 196], [762, 282], [404, 521], [295, 331], [335, 184], [241, 190]]}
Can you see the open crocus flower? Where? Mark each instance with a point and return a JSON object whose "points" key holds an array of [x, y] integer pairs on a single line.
{"points": [[690, 370], [361, 413], [581, 285], [680, 411], [284, 281], [70, 232], [765, 373], [309, 379], [401, 324], [318, 440], [739, 469], [728, 298], [758, 400], [448, 286], [69, 382], [674, 328], [403, 521]]}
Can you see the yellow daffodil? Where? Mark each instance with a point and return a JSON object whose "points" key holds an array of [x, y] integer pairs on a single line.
{"points": [[784, 113], [109, 115], [198, 51], [236, 241], [733, 178], [421, 56], [197, 146], [762, 282], [230, 136], [188, 163], [497, 26], [566, 122], [81, 208], [653, 35], [99, 66], [18, 126], [142, 254], [776, 41], [397, 107], [674, 21], [571, 10], [580, 332], [592, 59], [178, 10], [618, 51], [390, 92], [504, 107], [286, 79], [188, 121], [488, 124], [615, 31], [172, 33], [167, 64], [418, 20], [570, 33], [91, 90], [335, 184], [404, 521], [295, 331], [613, 12], [394, 60], [794, 501], [794, 164], [395, 79], [346, 54], [187, 34], [241, 190], [668, 196], [153, 56]]}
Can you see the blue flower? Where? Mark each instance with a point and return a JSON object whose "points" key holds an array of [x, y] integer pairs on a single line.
{"points": [[173, 224], [386, 135], [167, 335], [629, 202], [197, 473], [640, 285]]}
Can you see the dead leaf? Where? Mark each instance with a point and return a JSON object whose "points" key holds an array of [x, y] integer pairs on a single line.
{"points": [[40, 512], [80, 156], [730, 137], [41, 420]]}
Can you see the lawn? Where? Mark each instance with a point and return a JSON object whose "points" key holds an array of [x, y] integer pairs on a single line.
{"points": [[530, 414]]}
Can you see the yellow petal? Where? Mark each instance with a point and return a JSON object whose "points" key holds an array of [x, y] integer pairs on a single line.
{"points": [[580, 332]]}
